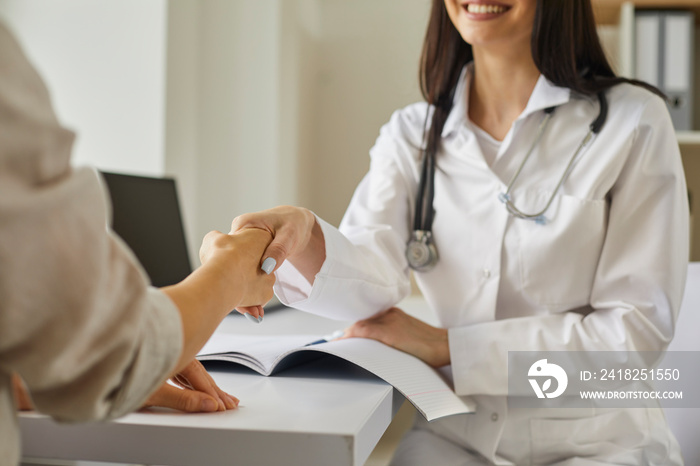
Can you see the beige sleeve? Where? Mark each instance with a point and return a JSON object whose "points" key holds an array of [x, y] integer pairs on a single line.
{"points": [[77, 319]]}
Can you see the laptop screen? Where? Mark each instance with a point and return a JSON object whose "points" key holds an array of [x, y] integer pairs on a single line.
{"points": [[146, 215]]}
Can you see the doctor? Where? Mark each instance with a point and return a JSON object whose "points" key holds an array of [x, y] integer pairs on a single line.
{"points": [[560, 223]]}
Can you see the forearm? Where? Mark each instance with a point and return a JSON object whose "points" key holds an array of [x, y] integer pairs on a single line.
{"points": [[203, 300]]}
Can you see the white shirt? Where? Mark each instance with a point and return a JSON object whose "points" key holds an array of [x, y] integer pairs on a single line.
{"points": [[606, 271]]}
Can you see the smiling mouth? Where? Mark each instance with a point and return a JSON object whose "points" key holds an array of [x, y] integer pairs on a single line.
{"points": [[484, 9]]}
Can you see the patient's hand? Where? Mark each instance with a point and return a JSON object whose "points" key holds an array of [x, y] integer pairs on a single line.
{"points": [[195, 392], [22, 399], [237, 257]]}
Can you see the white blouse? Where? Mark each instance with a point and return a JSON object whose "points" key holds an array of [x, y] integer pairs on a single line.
{"points": [[490, 146]]}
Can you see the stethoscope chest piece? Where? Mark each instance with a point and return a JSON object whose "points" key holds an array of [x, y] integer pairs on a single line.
{"points": [[421, 252]]}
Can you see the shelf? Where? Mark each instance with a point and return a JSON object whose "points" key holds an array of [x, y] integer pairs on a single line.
{"points": [[608, 11], [688, 137]]}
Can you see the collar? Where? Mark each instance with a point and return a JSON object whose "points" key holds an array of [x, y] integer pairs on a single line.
{"points": [[544, 95]]}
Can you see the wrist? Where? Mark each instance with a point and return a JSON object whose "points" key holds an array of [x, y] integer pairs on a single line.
{"points": [[217, 278], [311, 257], [215, 286], [308, 220]]}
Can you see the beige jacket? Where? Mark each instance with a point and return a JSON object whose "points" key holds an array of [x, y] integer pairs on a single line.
{"points": [[78, 320]]}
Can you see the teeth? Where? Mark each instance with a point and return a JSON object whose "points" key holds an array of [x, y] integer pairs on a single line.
{"points": [[484, 9]]}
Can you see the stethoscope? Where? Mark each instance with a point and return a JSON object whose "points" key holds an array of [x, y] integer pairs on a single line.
{"points": [[421, 252]]}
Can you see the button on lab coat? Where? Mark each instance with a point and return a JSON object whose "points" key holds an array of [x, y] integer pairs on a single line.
{"points": [[605, 272]]}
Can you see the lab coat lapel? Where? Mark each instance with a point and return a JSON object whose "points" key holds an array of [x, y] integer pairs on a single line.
{"points": [[460, 137], [524, 129], [545, 95], [457, 134]]}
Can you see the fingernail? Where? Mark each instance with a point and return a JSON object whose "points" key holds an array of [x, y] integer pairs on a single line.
{"points": [[268, 265], [233, 401], [222, 406], [209, 405], [251, 318]]}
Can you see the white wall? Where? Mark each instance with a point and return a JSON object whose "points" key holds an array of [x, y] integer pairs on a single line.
{"points": [[223, 110], [289, 96], [248, 103], [104, 63], [278, 101], [182, 110], [238, 110], [367, 67]]}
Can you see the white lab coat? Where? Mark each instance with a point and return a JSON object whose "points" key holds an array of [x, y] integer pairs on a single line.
{"points": [[614, 248]]}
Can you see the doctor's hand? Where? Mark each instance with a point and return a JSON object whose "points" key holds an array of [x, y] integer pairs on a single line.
{"points": [[296, 236], [194, 391], [399, 330]]}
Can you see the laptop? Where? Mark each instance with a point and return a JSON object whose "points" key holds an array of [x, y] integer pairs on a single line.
{"points": [[146, 215]]}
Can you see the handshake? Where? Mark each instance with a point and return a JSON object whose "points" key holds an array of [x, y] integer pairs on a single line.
{"points": [[237, 258], [257, 244], [236, 273]]}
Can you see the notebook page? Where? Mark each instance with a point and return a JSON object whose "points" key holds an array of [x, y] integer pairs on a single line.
{"points": [[262, 351], [419, 383]]}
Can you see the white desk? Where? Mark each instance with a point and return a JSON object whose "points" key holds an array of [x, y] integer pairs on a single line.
{"points": [[322, 413]]}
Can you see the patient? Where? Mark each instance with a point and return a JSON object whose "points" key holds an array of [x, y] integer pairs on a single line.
{"points": [[78, 322]]}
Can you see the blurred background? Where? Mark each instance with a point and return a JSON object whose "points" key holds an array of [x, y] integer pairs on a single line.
{"points": [[247, 103], [250, 104]]}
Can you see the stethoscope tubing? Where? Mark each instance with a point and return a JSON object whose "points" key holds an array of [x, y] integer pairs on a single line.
{"points": [[422, 243], [594, 128], [513, 210]]}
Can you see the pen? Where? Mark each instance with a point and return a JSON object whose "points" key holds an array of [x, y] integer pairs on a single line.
{"points": [[253, 319], [327, 338]]}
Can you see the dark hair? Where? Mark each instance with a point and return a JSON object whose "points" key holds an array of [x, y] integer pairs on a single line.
{"points": [[564, 43]]}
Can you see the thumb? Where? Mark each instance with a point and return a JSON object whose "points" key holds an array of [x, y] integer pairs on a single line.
{"points": [[22, 398], [275, 254]]}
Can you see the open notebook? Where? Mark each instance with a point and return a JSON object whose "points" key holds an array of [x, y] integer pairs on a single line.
{"points": [[422, 385]]}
